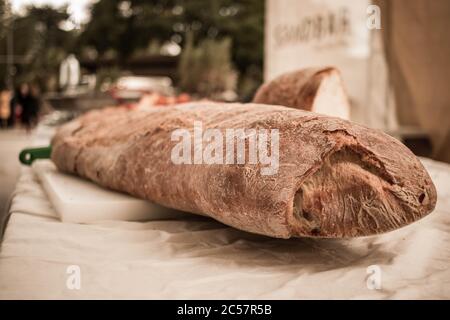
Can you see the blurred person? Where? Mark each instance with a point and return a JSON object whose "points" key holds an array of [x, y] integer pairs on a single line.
{"points": [[35, 94], [12, 110], [5, 108], [16, 108], [27, 99]]}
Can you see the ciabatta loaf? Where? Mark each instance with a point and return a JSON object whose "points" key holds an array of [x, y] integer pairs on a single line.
{"points": [[334, 179]]}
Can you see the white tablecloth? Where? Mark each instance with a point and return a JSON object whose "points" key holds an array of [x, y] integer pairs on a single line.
{"points": [[200, 258]]}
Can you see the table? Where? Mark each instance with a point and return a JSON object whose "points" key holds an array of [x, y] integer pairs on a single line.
{"points": [[198, 258]]}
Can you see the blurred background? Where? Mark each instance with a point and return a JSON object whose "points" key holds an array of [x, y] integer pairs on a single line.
{"points": [[204, 47], [59, 58]]}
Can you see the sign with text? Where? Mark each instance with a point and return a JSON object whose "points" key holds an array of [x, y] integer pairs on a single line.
{"points": [[341, 33]]}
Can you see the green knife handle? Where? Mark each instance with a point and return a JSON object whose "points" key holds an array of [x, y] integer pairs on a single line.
{"points": [[27, 156]]}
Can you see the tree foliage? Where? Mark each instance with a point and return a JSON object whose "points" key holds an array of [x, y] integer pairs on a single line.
{"points": [[122, 28], [206, 69], [127, 26], [40, 44]]}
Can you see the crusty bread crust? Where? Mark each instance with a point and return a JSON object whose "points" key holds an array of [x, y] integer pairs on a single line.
{"points": [[335, 178], [296, 89]]}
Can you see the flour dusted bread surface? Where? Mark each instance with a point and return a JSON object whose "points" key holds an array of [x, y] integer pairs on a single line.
{"points": [[335, 178], [320, 90]]}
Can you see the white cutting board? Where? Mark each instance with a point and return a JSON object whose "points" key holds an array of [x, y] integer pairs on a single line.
{"points": [[81, 201]]}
